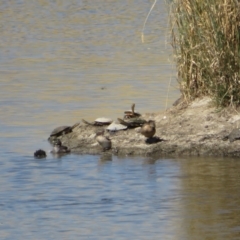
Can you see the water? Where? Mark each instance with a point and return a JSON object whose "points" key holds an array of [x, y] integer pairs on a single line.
{"points": [[61, 61], [104, 197]]}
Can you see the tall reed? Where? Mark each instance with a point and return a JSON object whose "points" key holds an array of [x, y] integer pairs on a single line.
{"points": [[206, 39]]}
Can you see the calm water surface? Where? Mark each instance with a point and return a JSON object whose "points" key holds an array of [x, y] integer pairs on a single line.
{"points": [[61, 61]]}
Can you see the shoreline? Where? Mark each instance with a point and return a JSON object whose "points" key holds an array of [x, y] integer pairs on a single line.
{"points": [[194, 130]]}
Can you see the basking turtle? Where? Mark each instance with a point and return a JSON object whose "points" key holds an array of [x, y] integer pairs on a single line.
{"points": [[59, 131], [131, 113], [132, 122], [99, 121], [114, 127]]}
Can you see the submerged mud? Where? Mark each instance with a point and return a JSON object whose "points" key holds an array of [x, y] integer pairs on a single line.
{"points": [[198, 129]]}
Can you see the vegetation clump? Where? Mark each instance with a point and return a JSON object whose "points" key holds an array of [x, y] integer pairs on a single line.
{"points": [[206, 43]]}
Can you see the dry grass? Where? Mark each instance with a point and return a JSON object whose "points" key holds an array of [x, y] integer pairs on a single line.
{"points": [[206, 39]]}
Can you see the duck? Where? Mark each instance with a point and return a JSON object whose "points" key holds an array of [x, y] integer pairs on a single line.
{"points": [[40, 154], [58, 148], [103, 141], [148, 129]]}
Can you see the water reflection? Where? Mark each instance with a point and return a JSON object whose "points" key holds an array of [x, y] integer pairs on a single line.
{"points": [[148, 198], [210, 198], [105, 157]]}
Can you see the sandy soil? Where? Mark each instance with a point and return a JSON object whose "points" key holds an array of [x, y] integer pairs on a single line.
{"points": [[198, 129]]}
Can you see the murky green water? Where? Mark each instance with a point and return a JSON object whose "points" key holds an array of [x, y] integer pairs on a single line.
{"points": [[61, 61]]}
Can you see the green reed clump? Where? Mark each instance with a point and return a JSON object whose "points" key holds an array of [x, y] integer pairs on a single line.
{"points": [[206, 39]]}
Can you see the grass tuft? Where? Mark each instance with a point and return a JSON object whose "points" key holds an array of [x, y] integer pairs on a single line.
{"points": [[206, 43]]}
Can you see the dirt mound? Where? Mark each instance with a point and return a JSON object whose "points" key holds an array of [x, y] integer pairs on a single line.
{"points": [[198, 129]]}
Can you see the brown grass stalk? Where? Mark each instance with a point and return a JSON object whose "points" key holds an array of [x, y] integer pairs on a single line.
{"points": [[206, 39]]}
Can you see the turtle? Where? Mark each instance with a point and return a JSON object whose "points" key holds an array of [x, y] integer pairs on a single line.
{"points": [[40, 154], [114, 127], [132, 122], [131, 113], [59, 131], [99, 121]]}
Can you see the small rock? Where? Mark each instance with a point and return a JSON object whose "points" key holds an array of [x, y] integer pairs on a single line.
{"points": [[138, 129], [92, 136], [234, 135]]}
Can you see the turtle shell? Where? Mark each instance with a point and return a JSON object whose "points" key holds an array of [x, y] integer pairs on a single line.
{"points": [[60, 131], [103, 121], [114, 127], [99, 121], [132, 122]]}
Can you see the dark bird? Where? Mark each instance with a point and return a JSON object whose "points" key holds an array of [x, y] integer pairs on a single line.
{"points": [[40, 154], [58, 148]]}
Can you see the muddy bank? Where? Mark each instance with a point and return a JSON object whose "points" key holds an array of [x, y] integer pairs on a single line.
{"points": [[198, 129]]}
